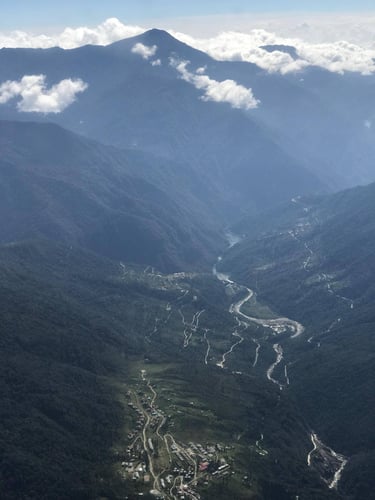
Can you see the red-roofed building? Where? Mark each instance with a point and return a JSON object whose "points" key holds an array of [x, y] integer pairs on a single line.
{"points": [[203, 466]]}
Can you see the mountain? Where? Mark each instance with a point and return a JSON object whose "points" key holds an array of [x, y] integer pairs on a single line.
{"points": [[132, 104], [130, 364], [86, 343], [309, 124], [287, 49], [130, 206], [322, 119], [313, 260], [331, 234]]}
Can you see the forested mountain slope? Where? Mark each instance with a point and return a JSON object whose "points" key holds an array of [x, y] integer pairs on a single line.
{"points": [[314, 261], [57, 185], [134, 104], [84, 340]]}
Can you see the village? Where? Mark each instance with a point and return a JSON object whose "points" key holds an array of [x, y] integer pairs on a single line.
{"points": [[157, 463]]}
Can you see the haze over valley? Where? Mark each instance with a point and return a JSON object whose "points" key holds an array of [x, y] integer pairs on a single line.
{"points": [[187, 263]]}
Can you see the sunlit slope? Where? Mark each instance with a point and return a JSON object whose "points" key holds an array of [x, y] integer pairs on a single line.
{"points": [[58, 185], [133, 104], [83, 337], [314, 261]]}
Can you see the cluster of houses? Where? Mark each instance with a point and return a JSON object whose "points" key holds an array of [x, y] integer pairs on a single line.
{"points": [[208, 459], [136, 470]]}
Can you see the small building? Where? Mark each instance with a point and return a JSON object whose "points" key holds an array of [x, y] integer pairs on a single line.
{"points": [[203, 466]]}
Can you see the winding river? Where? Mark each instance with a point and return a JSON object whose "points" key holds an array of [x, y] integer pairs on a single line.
{"points": [[336, 462]]}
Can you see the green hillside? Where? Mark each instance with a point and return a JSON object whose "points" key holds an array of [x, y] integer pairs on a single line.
{"points": [[314, 262], [82, 338]]}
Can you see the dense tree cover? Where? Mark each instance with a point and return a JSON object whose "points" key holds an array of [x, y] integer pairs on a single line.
{"points": [[73, 326], [121, 204], [314, 261]]}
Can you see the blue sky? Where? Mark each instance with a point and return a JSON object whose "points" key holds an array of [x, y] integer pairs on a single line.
{"points": [[37, 14]]}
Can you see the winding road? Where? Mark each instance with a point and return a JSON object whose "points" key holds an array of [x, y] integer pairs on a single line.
{"points": [[221, 364], [258, 346], [190, 328], [336, 462], [279, 357], [208, 346]]}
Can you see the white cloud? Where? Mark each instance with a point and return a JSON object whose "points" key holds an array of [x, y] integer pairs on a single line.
{"points": [[105, 33], [227, 91], [156, 62], [232, 46], [144, 51], [354, 27], [37, 98], [320, 42], [108, 32]]}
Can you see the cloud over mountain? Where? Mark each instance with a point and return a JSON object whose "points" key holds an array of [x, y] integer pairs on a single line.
{"points": [[144, 51], [336, 56], [37, 98], [105, 33], [228, 91]]}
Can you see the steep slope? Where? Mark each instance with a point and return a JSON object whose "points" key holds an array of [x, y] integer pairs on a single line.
{"points": [[332, 234], [61, 186], [99, 359], [59, 409], [310, 120], [314, 261], [322, 119], [133, 104]]}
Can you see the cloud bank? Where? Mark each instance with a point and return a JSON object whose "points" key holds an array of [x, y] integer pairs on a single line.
{"points": [[228, 91], [144, 51], [105, 33], [336, 56], [37, 98]]}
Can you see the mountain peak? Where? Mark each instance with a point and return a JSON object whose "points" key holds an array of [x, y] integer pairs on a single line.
{"points": [[159, 34], [166, 45], [287, 49], [163, 39]]}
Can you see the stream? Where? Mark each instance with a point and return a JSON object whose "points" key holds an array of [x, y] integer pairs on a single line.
{"points": [[329, 464]]}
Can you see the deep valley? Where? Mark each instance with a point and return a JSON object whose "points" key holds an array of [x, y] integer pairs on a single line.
{"points": [[186, 277]]}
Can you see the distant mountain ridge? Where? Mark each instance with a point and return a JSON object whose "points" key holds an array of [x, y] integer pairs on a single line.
{"points": [[314, 260], [288, 49], [310, 124], [112, 215], [55, 184], [131, 104]]}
